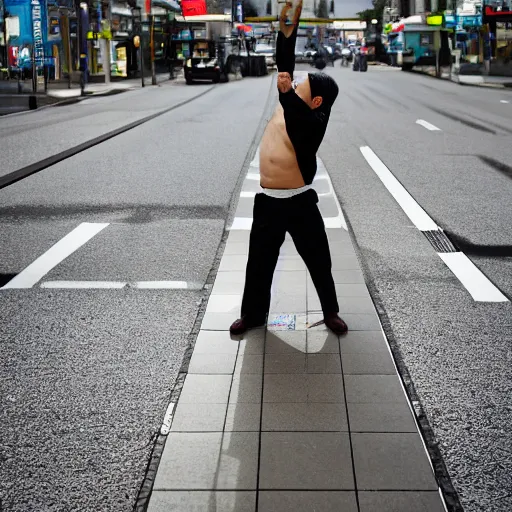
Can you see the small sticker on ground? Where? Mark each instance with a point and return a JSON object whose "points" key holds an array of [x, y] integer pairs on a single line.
{"points": [[284, 322]]}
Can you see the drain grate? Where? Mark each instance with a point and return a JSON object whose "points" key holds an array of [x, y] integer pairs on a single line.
{"points": [[440, 241]]}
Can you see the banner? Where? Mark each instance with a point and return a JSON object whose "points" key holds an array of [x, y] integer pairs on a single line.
{"points": [[193, 7]]}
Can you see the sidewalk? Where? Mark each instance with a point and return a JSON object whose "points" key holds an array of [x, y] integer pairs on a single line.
{"points": [[482, 81], [291, 418], [62, 92]]}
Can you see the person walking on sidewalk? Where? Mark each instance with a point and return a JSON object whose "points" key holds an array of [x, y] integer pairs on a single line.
{"points": [[287, 202]]}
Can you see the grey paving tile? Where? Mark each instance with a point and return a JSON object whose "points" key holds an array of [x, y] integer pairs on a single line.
{"points": [[328, 207], [249, 363], [218, 321], [344, 292], [322, 342], [357, 305], [374, 389], [252, 342], [229, 283], [239, 235], [337, 235], [288, 249], [304, 417], [362, 322], [363, 342], [206, 389], [242, 417], [342, 247], [305, 460], [285, 363], [344, 262], [209, 364], [215, 342], [230, 276], [381, 417], [407, 501], [280, 342], [283, 302], [347, 276], [246, 388], [226, 303], [202, 501], [307, 501], [199, 417], [378, 363], [208, 461], [231, 262], [323, 363], [391, 462], [303, 388], [244, 207], [321, 186], [236, 248], [291, 263], [289, 292], [313, 318], [352, 290]]}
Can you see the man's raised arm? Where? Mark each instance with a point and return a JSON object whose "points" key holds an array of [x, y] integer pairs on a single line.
{"points": [[286, 39]]}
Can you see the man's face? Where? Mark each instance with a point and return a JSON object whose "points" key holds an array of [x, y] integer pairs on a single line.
{"points": [[303, 91]]}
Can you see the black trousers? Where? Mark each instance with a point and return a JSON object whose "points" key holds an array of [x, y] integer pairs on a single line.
{"points": [[272, 218]]}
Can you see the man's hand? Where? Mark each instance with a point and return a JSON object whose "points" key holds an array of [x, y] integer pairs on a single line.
{"points": [[284, 82], [283, 27]]}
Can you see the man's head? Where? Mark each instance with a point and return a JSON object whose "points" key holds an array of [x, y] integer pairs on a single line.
{"points": [[318, 90]]}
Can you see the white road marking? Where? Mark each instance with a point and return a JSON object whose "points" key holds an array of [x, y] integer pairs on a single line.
{"points": [[412, 209], [28, 277], [428, 125], [164, 285], [504, 101], [141, 285], [247, 194], [83, 284], [477, 284], [480, 288]]}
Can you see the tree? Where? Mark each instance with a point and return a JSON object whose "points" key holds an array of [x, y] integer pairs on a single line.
{"points": [[248, 9], [331, 10], [322, 9], [269, 7]]}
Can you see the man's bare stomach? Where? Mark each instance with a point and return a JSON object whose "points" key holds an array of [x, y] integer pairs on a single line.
{"points": [[278, 163]]}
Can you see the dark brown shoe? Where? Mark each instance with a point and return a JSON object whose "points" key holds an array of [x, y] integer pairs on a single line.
{"points": [[335, 323], [244, 324]]}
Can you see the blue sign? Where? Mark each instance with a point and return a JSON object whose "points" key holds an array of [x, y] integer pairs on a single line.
{"points": [[37, 33]]}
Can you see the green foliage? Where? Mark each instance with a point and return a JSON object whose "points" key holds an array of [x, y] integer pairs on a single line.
{"points": [[376, 13]]}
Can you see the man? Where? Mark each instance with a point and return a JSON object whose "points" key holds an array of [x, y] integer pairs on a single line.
{"points": [[287, 202]]}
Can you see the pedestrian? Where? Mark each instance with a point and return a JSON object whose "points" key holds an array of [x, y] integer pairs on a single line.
{"points": [[287, 202]]}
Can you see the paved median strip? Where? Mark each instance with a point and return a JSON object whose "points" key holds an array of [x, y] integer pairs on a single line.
{"points": [[476, 283], [290, 417]]}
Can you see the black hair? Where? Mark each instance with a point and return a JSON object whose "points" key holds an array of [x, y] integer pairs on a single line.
{"points": [[323, 85]]}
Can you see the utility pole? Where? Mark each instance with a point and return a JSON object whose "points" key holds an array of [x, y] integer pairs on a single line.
{"points": [[152, 48]]}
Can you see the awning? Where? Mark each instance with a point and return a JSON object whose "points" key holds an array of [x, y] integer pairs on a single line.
{"points": [[172, 5]]}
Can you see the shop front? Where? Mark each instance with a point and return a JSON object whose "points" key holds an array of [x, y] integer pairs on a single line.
{"points": [[498, 18]]}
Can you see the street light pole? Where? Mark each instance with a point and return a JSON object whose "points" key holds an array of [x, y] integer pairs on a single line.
{"points": [[152, 47]]}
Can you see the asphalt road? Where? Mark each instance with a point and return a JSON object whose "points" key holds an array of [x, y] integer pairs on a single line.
{"points": [[86, 374]]}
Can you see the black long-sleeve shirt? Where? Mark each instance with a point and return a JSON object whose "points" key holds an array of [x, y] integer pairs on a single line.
{"points": [[305, 126]]}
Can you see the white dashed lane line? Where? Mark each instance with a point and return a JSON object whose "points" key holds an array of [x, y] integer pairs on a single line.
{"points": [[31, 275], [428, 125], [504, 101], [475, 282]]}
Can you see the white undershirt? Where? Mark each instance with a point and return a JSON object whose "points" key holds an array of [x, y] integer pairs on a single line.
{"points": [[284, 193]]}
